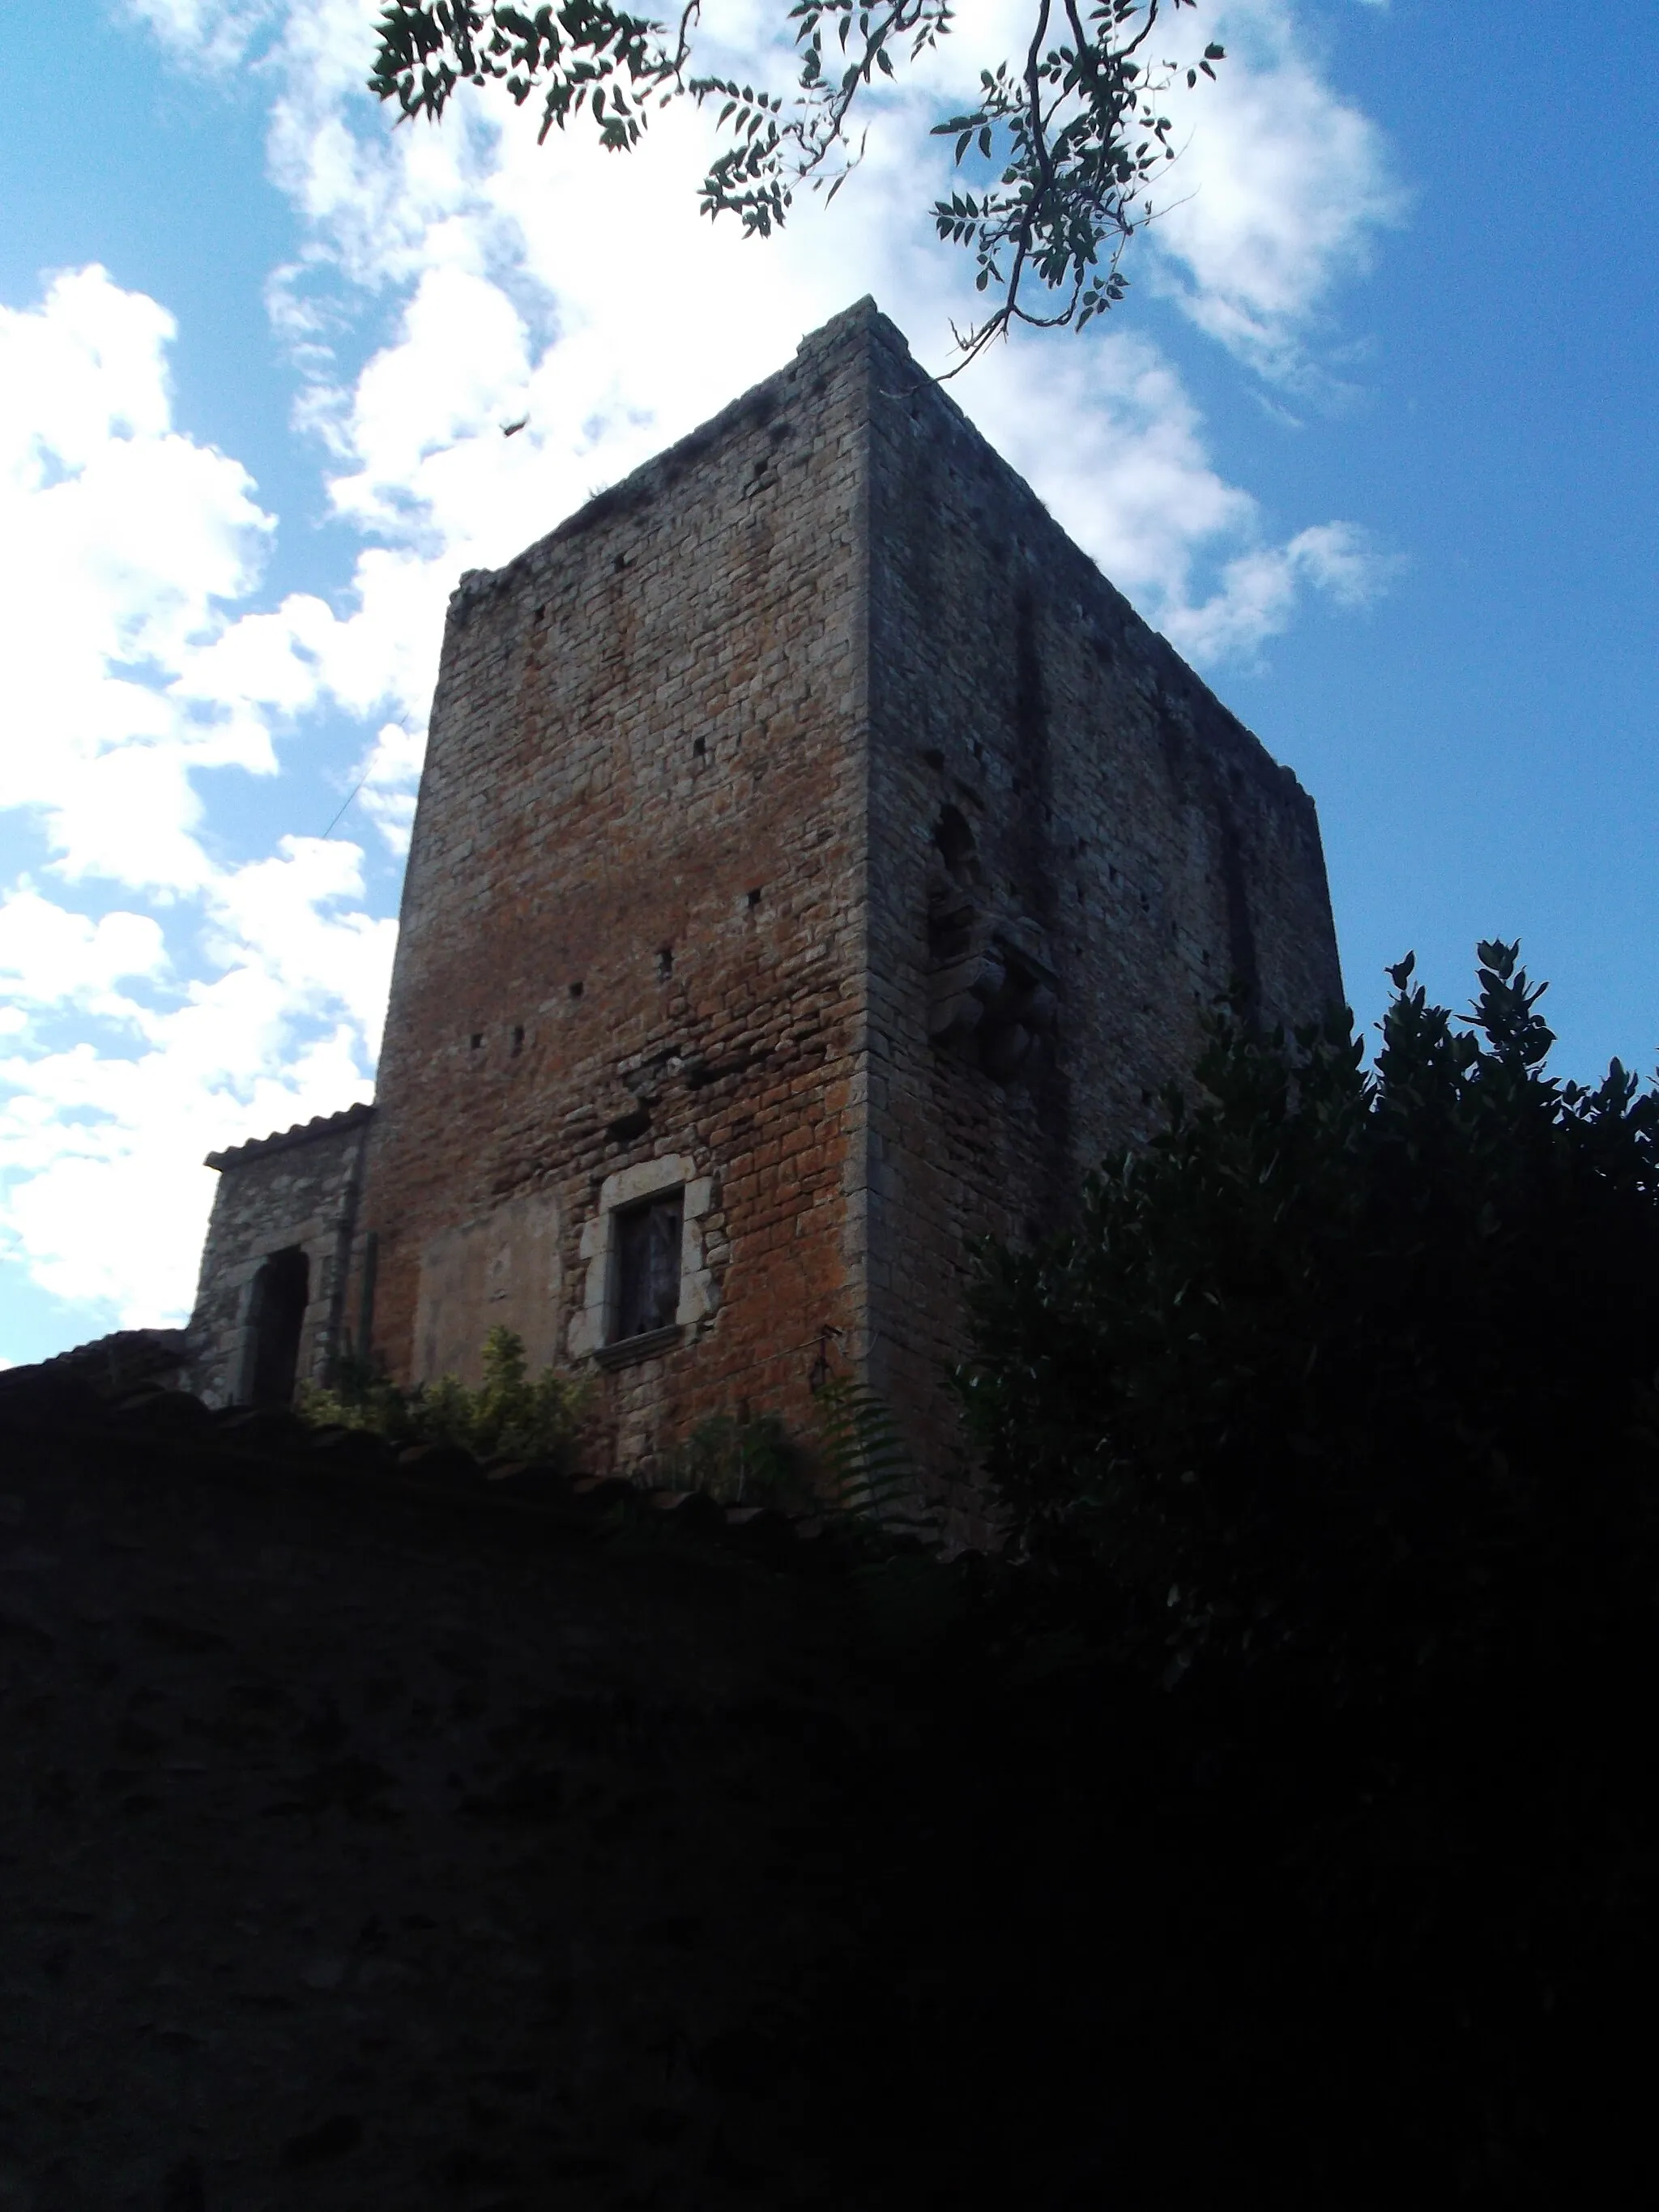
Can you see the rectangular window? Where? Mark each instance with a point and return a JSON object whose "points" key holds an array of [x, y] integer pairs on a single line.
{"points": [[648, 1265]]}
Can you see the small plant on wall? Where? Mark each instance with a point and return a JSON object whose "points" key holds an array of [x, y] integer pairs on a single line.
{"points": [[510, 1412], [741, 1459], [855, 1467], [872, 1476]]}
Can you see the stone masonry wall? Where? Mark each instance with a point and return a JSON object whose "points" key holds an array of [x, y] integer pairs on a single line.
{"points": [[366, 1845], [633, 927], [808, 825], [1116, 850], [300, 1188]]}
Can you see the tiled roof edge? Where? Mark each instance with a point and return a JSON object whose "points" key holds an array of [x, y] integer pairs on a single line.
{"points": [[302, 1133], [136, 1349]]}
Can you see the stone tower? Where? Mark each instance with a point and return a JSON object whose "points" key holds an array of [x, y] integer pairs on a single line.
{"points": [[817, 862]]}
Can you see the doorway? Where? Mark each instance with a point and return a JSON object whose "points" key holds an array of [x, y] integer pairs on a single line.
{"points": [[276, 1313]]}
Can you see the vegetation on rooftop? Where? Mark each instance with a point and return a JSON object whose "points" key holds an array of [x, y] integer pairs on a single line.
{"points": [[510, 1414]]}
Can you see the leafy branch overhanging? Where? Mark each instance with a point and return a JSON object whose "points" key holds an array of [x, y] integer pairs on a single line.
{"points": [[1067, 138]]}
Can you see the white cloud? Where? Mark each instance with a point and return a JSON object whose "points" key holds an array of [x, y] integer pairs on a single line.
{"points": [[103, 1147], [659, 316], [119, 541], [388, 781], [212, 34], [1259, 591], [1279, 192], [123, 546], [51, 957]]}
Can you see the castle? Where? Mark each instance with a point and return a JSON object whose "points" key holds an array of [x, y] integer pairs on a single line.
{"points": [[816, 863]]}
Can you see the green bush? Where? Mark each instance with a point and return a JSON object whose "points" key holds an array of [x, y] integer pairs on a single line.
{"points": [[1345, 1360], [1335, 1416], [507, 1414], [741, 1459]]}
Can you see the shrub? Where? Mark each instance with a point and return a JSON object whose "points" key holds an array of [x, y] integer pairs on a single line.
{"points": [[508, 1413], [1343, 1360], [740, 1459], [1340, 1394], [856, 1467]]}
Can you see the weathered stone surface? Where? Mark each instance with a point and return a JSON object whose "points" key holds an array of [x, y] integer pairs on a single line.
{"points": [[808, 821], [807, 825], [632, 926], [296, 1190], [1073, 847]]}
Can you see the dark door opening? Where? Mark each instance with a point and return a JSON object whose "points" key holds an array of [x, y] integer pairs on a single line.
{"points": [[281, 1291]]}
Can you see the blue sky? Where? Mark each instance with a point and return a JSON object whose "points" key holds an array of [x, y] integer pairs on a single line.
{"points": [[1371, 441]]}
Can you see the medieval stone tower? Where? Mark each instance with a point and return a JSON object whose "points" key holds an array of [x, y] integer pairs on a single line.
{"points": [[817, 862]]}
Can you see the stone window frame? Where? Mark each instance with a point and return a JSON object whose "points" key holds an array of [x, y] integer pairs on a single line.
{"points": [[590, 1329]]}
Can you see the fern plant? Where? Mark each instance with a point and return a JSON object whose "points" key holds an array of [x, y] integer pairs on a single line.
{"points": [[872, 1479]]}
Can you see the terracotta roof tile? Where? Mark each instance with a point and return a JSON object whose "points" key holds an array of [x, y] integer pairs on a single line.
{"points": [[302, 1133]]}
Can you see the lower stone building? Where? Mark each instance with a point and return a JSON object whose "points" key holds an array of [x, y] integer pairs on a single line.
{"points": [[271, 1304], [816, 863]]}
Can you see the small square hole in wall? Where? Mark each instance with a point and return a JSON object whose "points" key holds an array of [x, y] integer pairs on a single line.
{"points": [[698, 747], [665, 963], [933, 757], [518, 1038], [476, 1040], [575, 990], [754, 898]]}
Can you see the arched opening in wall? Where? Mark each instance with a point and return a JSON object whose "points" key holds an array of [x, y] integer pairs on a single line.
{"points": [[281, 1289], [990, 989], [953, 883], [956, 844]]}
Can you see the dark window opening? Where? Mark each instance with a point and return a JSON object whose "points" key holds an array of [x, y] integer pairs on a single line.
{"points": [[665, 963], [627, 1126], [754, 898], [953, 892], [699, 747], [477, 1040], [575, 990], [518, 1038], [955, 842], [933, 757], [648, 1265], [277, 1315]]}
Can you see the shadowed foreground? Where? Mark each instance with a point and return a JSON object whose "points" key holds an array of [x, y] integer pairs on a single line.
{"points": [[375, 1841]]}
